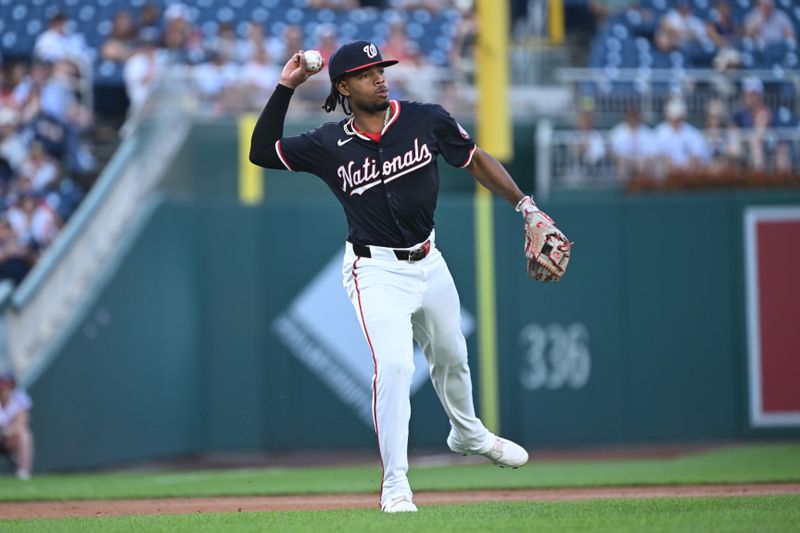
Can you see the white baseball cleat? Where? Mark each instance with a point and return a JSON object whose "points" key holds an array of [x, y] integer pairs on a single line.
{"points": [[503, 453], [402, 504]]}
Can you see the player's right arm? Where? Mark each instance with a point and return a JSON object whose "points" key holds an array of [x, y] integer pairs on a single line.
{"points": [[269, 127]]}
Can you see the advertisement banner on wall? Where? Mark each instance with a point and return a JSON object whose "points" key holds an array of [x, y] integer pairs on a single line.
{"points": [[321, 330], [772, 264]]}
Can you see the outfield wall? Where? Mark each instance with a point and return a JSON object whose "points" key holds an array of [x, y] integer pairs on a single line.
{"points": [[226, 328]]}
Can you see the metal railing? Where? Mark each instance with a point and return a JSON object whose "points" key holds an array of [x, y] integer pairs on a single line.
{"points": [[574, 159]]}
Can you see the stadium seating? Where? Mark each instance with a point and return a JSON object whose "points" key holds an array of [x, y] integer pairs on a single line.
{"points": [[21, 23]]}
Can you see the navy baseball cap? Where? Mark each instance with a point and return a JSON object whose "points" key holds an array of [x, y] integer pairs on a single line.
{"points": [[355, 56]]}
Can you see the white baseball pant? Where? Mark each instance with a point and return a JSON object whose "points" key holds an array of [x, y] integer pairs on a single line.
{"points": [[398, 302]]}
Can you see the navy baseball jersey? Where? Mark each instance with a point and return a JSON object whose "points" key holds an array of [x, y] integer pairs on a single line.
{"points": [[388, 188]]}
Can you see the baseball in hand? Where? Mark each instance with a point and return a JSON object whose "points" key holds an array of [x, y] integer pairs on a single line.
{"points": [[313, 60]]}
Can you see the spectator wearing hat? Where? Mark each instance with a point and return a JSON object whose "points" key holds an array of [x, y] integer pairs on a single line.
{"points": [[16, 438], [767, 25], [682, 147]]}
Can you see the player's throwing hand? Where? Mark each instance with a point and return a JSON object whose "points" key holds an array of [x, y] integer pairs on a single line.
{"points": [[296, 71]]}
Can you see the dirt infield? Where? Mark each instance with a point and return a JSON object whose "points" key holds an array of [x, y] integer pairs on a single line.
{"points": [[62, 509]]}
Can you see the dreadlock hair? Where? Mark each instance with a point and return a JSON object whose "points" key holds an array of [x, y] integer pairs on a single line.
{"points": [[337, 98]]}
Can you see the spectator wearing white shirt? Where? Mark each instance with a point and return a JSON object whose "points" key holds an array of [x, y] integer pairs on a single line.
{"points": [[589, 150], [34, 222], [143, 67], [16, 438], [256, 39], [679, 28], [258, 77], [681, 146], [215, 79], [767, 25], [56, 44], [39, 167], [633, 146]]}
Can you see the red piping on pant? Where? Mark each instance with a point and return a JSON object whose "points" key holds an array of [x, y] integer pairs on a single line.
{"points": [[375, 377]]}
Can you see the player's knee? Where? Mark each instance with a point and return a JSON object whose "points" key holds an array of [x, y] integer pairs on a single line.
{"points": [[394, 369]]}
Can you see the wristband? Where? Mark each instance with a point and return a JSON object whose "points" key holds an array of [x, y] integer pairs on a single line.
{"points": [[526, 206]]}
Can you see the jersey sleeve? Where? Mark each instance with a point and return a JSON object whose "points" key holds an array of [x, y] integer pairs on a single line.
{"points": [[302, 153], [455, 144]]}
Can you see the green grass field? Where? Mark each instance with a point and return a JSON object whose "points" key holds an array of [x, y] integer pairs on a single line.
{"points": [[740, 464]]}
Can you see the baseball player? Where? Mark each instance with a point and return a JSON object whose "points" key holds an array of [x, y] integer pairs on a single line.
{"points": [[16, 438], [380, 162]]}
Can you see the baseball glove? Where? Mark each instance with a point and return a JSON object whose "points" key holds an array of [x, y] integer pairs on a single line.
{"points": [[547, 250]]}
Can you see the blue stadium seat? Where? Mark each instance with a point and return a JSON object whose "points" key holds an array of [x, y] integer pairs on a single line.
{"points": [[784, 118]]}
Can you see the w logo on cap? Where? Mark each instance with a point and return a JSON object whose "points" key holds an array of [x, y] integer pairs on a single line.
{"points": [[371, 50]]}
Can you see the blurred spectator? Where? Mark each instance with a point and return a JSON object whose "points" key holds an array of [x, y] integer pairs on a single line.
{"points": [[256, 40], [39, 167], [415, 78], [142, 68], [752, 121], [182, 42], [10, 77], [589, 150], [282, 48], [16, 438], [767, 25], [397, 45], [327, 41], [121, 42], [27, 93], [723, 145], [722, 28], [681, 145], [59, 92], [679, 27], [149, 17], [258, 78], [56, 44], [13, 148], [633, 146], [34, 222], [14, 262], [214, 79], [225, 42]]}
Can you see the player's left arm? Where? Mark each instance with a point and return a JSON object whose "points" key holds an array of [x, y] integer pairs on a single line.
{"points": [[546, 248], [490, 173]]}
